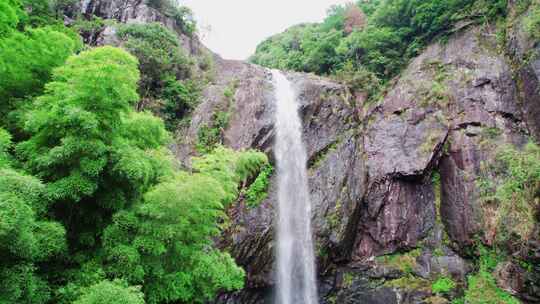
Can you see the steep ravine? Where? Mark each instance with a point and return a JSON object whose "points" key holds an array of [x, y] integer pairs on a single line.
{"points": [[372, 167]]}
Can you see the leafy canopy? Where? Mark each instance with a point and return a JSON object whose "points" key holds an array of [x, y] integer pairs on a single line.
{"points": [[166, 241], [395, 31], [111, 292]]}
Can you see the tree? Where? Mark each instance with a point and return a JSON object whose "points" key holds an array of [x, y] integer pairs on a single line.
{"points": [[166, 241], [94, 153], [165, 71], [27, 238], [159, 53], [111, 292], [27, 59], [74, 123], [5, 145], [26, 63], [9, 16]]}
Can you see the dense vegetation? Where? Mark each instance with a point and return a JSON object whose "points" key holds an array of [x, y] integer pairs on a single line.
{"points": [[166, 71], [371, 41], [93, 207]]}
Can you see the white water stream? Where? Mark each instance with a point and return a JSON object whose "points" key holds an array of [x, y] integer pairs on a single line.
{"points": [[296, 282]]}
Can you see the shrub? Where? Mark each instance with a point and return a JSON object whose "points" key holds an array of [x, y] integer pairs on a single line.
{"points": [[181, 98], [406, 262], [443, 285], [181, 14], [165, 242], [359, 79], [160, 55], [513, 187], [111, 292], [532, 22], [26, 239], [5, 145], [210, 136], [482, 289], [257, 191]]}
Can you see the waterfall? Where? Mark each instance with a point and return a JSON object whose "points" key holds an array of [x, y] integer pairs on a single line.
{"points": [[296, 283]]}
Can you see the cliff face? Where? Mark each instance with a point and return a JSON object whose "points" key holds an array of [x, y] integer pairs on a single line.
{"points": [[384, 178], [372, 167], [125, 11]]}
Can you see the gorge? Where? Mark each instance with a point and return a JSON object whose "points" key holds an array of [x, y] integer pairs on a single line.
{"points": [[398, 170]]}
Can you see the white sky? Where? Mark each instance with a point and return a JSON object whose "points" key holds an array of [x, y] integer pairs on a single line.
{"points": [[237, 26]]}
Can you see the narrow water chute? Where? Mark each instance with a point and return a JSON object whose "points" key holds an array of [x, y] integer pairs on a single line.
{"points": [[296, 280]]}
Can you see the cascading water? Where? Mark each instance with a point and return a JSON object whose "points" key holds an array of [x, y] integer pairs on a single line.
{"points": [[295, 257]]}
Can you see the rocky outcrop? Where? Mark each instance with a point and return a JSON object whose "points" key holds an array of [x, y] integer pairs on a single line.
{"points": [[336, 172], [524, 52], [126, 11], [470, 108], [371, 176]]}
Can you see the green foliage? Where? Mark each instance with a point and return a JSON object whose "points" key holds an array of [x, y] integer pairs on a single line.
{"points": [[181, 14], [302, 48], [359, 79], [443, 285], [88, 25], [21, 234], [185, 20], [105, 205], [26, 62], [514, 191], [5, 145], [532, 22], [258, 190], [210, 136], [406, 262], [145, 131], [348, 279], [25, 238], [166, 240], [21, 284], [181, 98], [9, 16], [111, 292], [77, 280], [482, 289], [396, 31], [165, 70], [230, 167], [379, 48], [159, 53], [207, 138], [74, 123], [95, 154], [410, 282]]}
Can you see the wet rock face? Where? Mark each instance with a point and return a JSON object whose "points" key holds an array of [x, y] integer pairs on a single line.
{"points": [[336, 173], [525, 52], [395, 214], [371, 176], [470, 108]]}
